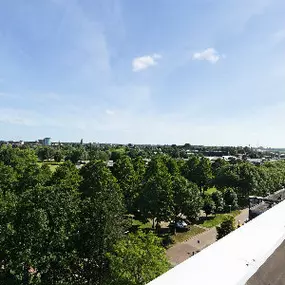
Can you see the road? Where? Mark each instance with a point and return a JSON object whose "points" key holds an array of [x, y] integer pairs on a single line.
{"points": [[182, 251]]}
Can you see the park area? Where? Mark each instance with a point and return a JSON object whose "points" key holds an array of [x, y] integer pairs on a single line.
{"points": [[169, 239]]}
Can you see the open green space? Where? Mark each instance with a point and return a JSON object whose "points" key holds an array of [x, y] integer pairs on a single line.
{"points": [[182, 236], [215, 220], [141, 225], [52, 165], [211, 190]]}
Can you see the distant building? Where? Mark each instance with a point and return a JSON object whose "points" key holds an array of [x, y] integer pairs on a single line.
{"points": [[46, 141]]}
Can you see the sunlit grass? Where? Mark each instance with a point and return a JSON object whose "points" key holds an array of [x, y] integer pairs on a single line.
{"points": [[215, 220]]}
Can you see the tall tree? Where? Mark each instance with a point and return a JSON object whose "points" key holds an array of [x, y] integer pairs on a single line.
{"points": [[66, 174], [231, 200], [156, 201], [187, 198], [171, 165], [124, 171], [7, 178], [101, 223], [218, 199], [58, 156], [140, 168], [209, 206], [198, 170], [37, 229], [137, 259], [45, 152]]}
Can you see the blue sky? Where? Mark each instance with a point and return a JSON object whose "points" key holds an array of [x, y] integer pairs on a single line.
{"points": [[199, 71]]}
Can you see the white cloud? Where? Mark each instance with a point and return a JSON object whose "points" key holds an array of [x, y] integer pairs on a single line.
{"points": [[110, 112], [209, 54], [17, 117], [144, 62], [279, 36]]}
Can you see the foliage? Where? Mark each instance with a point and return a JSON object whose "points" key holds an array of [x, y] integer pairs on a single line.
{"points": [[209, 206], [58, 156], [127, 178], [37, 229], [210, 191], [216, 220], [59, 227], [66, 174], [198, 170], [101, 221], [137, 259], [156, 200], [187, 198], [227, 226], [76, 154], [218, 199], [230, 198], [45, 153]]}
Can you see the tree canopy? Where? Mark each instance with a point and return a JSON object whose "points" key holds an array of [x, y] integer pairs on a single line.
{"points": [[137, 259]]}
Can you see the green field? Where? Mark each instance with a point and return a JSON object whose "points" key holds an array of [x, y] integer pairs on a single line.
{"points": [[215, 220], [183, 236], [52, 165], [141, 225]]}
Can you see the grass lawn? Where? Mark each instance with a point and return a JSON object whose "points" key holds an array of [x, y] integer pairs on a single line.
{"points": [[213, 221], [211, 190], [141, 225], [52, 165], [182, 236]]}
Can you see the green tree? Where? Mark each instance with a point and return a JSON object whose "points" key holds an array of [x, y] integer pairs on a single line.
{"points": [[58, 156], [45, 153], [37, 230], [124, 171], [101, 221], [218, 199], [227, 176], [140, 168], [137, 259], [96, 154], [198, 170], [231, 200], [187, 198], [209, 206], [66, 174], [227, 226], [7, 178], [25, 167], [218, 164], [171, 165], [76, 154], [156, 201]]}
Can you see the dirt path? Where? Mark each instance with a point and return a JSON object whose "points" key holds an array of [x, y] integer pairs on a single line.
{"points": [[180, 252]]}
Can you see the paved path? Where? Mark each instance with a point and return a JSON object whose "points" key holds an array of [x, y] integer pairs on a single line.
{"points": [[181, 251]]}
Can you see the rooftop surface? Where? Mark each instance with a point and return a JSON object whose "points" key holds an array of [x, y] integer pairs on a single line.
{"points": [[237, 257]]}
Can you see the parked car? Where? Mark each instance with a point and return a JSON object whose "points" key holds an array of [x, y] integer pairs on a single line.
{"points": [[179, 225]]}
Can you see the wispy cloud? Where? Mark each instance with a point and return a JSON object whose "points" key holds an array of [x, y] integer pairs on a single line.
{"points": [[17, 117], [144, 62], [110, 112], [279, 36], [209, 54], [88, 51]]}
